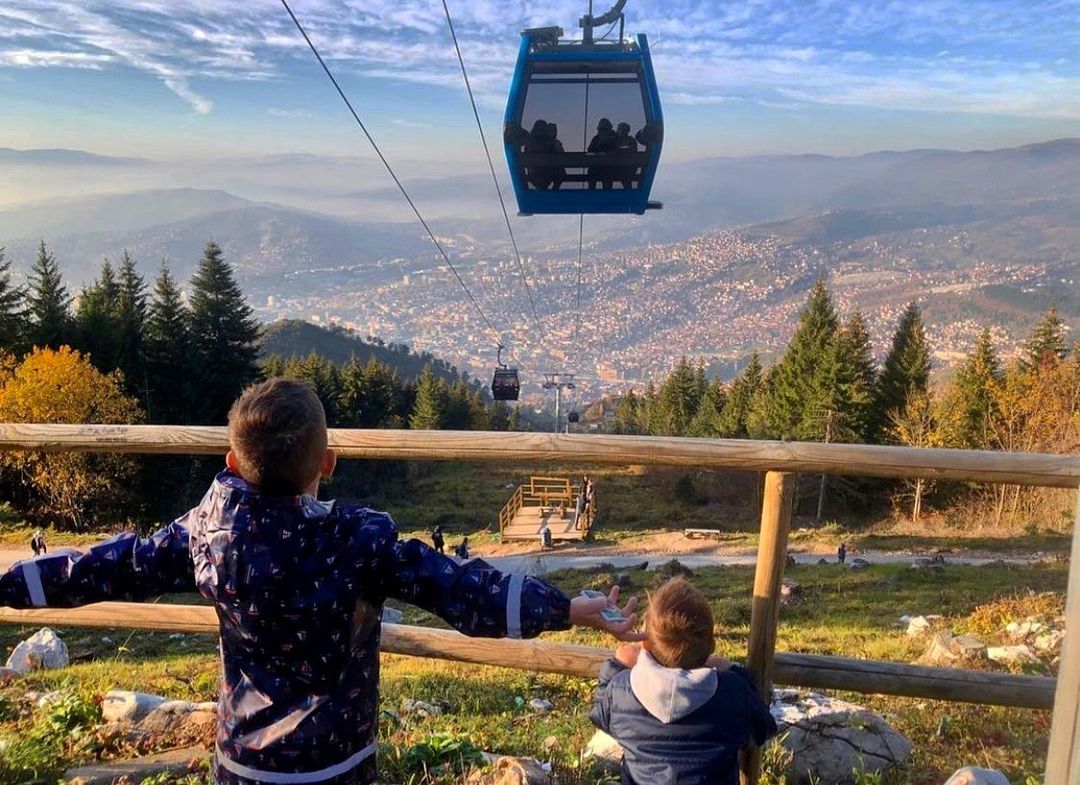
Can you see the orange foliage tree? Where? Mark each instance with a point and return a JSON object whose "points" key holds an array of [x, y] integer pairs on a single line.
{"points": [[62, 386]]}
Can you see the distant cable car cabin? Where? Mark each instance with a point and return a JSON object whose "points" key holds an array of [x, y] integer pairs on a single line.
{"points": [[583, 127], [573, 417]]}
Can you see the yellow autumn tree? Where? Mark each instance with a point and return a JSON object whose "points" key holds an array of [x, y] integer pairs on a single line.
{"points": [[62, 386]]}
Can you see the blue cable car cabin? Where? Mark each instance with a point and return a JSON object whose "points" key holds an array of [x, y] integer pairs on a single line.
{"points": [[583, 127]]}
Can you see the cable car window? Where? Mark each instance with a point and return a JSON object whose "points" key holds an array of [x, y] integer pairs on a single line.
{"points": [[561, 129]]}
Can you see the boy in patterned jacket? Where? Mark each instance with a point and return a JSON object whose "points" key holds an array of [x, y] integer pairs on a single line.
{"points": [[298, 585]]}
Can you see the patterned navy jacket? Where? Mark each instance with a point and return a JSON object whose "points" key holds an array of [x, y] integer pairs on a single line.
{"points": [[298, 586]]}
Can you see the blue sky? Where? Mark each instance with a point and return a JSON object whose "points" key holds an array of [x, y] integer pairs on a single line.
{"points": [[176, 79]]}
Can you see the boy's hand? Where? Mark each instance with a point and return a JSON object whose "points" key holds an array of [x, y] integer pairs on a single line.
{"points": [[585, 612]]}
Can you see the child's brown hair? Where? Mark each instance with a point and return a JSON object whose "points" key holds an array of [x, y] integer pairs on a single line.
{"points": [[679, 624], [277, 431]]}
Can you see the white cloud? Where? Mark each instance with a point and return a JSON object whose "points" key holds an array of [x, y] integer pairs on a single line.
{"points": [[410, 123], [290, 114], [1011, 57]]}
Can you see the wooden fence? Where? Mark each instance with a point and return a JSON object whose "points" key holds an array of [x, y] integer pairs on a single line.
{"points": [[781, 460]]}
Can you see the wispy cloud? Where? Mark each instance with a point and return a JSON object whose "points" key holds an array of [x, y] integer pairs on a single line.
{"points": [[290, 114], [1011, 57], [410, 123]]}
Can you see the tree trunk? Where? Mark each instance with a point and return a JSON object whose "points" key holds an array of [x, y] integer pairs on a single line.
{"points": [[821, 498], [1000, 512], [916, 512]]}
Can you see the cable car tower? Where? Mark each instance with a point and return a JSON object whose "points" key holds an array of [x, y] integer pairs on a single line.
{"points": [[584, 127], [558, 382]]}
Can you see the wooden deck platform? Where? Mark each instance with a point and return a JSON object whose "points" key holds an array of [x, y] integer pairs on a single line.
{"points": [[537, 503], [528, 521]]}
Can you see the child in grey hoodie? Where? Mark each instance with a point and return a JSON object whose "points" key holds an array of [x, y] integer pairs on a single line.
{"points": [[679, 716]]}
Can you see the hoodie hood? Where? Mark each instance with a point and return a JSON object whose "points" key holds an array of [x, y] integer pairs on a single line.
{"points": [[669, 694]]}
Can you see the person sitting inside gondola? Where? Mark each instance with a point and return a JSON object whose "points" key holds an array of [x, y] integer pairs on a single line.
{"points": [[603, 142], [625, 143], [544, 140]]}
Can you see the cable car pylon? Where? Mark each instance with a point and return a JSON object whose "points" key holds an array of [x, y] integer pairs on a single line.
{"points": [[558, 382]]}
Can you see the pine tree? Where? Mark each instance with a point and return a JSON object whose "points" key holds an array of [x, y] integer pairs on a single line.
{"points": [[95, 319], [735, 416], [498, 416], [513, 422], [430, 409], [169, 354], [1046, 344], [457, 413], [223, 333], [13, 327], [47, 302], [846, 395], [794, 406], [647, 419], [906, 371], [971, 402], [131, 314], [626, 415], [706, 422], [678, 401]]}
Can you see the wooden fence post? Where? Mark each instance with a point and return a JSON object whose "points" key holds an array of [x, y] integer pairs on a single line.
{"points": [[776, 511], [1063, 756]]}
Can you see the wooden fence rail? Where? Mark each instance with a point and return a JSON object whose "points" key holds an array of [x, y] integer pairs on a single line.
{"points": [[542, 656], [782, 460], [1051, 471]]}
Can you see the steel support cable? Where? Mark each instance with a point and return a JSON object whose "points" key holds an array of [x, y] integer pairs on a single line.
{"points": [[392, 173], [494, 176]]}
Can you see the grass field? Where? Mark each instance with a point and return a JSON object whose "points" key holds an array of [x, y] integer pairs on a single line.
{"points": [[844, 612]]}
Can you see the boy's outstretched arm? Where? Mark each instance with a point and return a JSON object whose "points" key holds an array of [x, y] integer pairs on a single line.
{"points": [[481, 601], [123, 567]]}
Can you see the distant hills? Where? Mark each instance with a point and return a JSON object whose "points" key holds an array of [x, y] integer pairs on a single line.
{"points": [[295, 338], [260, 239], [63, 157], [315, 231]]}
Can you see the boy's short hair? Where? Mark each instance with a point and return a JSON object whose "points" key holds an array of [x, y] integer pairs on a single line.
{"points": [[679, 624], [277, 430]]}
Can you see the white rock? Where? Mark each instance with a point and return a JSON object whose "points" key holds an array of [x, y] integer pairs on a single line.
{"points": [[604, 751], [1005, 654], [541, 705], [1024, 629], [176, 636], [420, 708], [43, 649], [392, 615], [917, 625], [106, 640], [125, 706], [859, 564], [48, 699], [1050, 641], [969, 775], [829, 738]]}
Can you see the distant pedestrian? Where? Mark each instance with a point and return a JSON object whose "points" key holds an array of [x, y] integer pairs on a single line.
{"points": [[37, 543], [437, 541], [841, 553], [462, 551], [546, 542]]}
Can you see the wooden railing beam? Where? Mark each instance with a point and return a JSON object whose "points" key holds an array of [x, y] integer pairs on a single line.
{"points": [[543, 656], [1052, 471]]}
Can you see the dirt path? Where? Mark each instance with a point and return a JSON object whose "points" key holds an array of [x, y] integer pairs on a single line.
{"points": [[536, 562]]}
